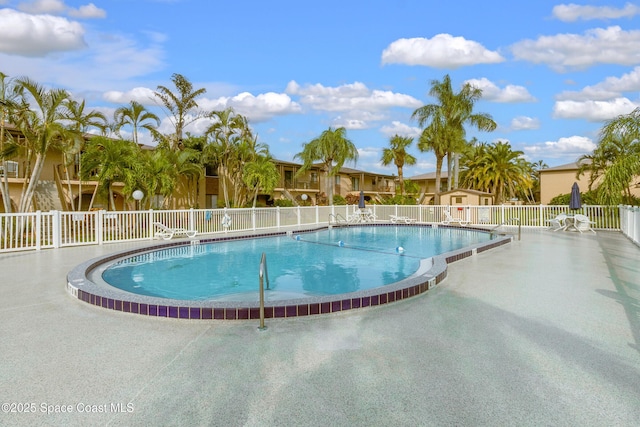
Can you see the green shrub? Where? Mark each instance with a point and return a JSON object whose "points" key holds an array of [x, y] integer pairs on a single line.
{"points": [[283, 203], [588, 198], [400, 200], [339, 200]]}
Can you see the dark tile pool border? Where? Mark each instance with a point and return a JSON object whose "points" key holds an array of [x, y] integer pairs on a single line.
{"points": [[432, 271]]}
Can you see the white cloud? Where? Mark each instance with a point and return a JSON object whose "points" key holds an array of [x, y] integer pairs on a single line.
{"points": [[256, 108], [402, 129], [349, 97], [42, 6], [143, 95], [610, 45], [95, 70], [510, 93], [569, 147], [349, 123], [57, 7], [593, 111], [573, 12], [88, 11], [110, 53], [38, 35], [610, 88], [441, 51], [525, 123]]}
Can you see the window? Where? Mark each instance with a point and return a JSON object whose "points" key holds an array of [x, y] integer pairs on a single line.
{"points": [[337, 180], [458, 200], [355, 184], [314, 177]]}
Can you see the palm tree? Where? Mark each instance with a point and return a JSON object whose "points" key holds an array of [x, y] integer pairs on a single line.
{"points": [[397, 154], [498, 169], [433, 139], [260, 174], [452, 112], [7, 107], [182, 106], [224, 135], [81, 121], [333, 149], [617, 157], [42, 120], [137, 116], [113, 160], [188, 170]]}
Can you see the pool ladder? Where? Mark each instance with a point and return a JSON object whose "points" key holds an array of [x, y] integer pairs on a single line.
{"points": [[338, 219], [262, 274], [507, 222]]}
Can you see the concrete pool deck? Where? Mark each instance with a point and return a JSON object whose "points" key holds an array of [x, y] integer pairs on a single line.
{"points": [[543, 331]]}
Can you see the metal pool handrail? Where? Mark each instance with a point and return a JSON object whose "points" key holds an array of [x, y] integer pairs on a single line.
{"points": [[262, 273]]}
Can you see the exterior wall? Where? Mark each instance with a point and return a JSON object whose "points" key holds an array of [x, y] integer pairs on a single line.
{"points": [[463, 198], [554, 183], [428, 187]]}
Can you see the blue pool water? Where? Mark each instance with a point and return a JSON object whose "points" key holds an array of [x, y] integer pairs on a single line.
{"points": [[327, 262]]}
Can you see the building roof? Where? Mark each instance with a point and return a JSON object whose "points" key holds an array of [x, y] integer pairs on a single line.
{"points": [[350, 171], [573, 166], [469, 191], [429, 175]]}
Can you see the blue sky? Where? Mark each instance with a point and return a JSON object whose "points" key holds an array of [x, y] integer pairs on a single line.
{"points": [[551, 72]]}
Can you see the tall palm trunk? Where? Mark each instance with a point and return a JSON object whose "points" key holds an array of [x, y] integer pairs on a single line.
{"points": [[68, 178], [26, 201], [436, 193], [329, 186], [449, 168], [4, 186], [401, 179], [225, 191], [456, 169], [112, 201]]}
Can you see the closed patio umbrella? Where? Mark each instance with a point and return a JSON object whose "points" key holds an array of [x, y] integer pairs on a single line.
{"points": [[361, 201], [574, 201]]}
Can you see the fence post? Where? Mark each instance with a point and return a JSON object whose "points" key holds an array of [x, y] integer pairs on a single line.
{"points": [[317, 215], [38, 226], [192, 221], [151, 226], [253, 219], [56, 223], [299, 213], [100, 226]]}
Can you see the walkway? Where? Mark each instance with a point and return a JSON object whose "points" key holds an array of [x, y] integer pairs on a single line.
{"points": [[545, 331]]}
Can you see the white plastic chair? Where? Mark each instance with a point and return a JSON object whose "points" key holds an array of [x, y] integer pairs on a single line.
{"points": [[558, 223], [582, 223], [395, 219], [449, 219], [167, 233]]}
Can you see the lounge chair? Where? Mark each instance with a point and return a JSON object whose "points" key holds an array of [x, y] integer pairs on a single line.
{"points": [[395, 219], [558, 223], [451, 220], [167, 233], [582, 223]]}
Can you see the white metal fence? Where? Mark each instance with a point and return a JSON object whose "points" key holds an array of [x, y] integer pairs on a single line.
{"points": [[54, 229], [630, 222]]}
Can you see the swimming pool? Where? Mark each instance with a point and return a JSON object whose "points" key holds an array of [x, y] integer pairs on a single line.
{"points": [[327, 262], [323, 271]]}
